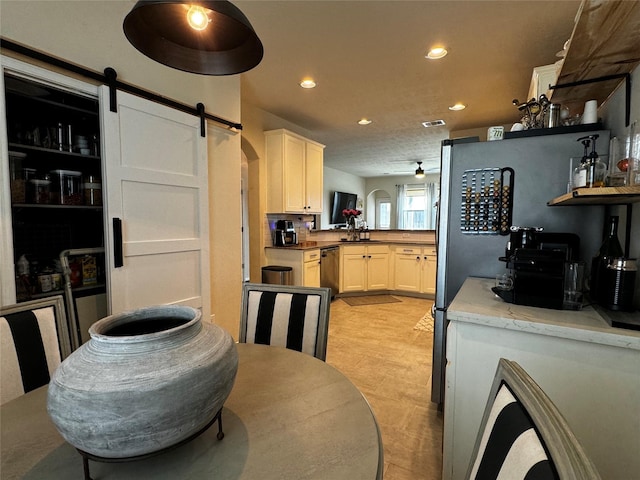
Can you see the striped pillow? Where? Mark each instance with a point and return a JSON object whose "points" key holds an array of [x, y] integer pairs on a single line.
{"points": [[511, 447], [283, 319], [30, 351]]}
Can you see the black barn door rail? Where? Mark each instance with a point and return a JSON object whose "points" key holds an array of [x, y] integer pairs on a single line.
{"points": [[110, 78]]}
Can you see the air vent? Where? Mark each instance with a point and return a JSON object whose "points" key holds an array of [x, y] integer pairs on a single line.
{"points": [[435, 123]]}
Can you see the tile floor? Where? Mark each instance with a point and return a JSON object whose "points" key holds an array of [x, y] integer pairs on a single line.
{"points": [[390, 362]]}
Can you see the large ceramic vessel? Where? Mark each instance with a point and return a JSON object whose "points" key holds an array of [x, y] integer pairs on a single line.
{"points": [[146, 380]]}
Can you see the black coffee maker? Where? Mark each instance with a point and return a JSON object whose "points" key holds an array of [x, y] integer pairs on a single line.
{"points": [[536, 261], [285, 234]]}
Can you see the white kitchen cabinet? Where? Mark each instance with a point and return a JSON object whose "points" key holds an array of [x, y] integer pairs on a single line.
{"points": [[364, 268], [153, 165], [294, 173], [414, 269], [305, 264]]}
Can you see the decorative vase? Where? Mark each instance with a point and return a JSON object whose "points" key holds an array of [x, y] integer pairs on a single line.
{"points": [[352, 233], [146, 380]]}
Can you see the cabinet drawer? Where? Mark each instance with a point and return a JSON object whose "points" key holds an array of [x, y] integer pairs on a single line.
{"points": [[353, 249], [408, 250], [377, 249], [310, 255]]}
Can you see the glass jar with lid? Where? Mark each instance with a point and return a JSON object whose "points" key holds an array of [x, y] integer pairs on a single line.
{"points": [[92, 190], [66, 187]]}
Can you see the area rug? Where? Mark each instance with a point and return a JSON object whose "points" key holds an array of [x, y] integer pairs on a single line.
{"points": [[425, 324], [369, 300]]}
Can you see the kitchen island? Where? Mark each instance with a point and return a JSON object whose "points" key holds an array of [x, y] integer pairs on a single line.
{"points": [[590, 370]]}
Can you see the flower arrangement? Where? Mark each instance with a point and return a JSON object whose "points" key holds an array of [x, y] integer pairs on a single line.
{"points": [[351, 212]]}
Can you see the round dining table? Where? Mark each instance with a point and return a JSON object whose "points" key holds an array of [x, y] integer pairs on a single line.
{"points": [[289, 416]]}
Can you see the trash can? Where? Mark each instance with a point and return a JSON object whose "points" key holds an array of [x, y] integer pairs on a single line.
{"points": [[277, 275]]}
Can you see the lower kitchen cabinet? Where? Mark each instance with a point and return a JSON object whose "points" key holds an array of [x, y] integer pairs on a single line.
{"points": [[364, 268], [305, 264], [311, 268], [414, 269]]}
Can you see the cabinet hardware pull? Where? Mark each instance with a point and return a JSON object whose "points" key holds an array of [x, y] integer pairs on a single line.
{"points": [[117, 243]]}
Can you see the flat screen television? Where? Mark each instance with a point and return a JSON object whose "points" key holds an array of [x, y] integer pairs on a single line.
{"points": [[341, 200]]}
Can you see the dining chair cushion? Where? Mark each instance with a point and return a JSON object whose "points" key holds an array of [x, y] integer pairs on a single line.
{"points": [[294, 318], [30, 345], [511, 446], [523, 436]]}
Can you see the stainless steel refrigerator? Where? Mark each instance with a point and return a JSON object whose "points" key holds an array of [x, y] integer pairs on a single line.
{"points": [[536, 167]]}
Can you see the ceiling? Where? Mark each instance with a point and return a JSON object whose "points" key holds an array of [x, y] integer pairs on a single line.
{"points": [[368, 60]]}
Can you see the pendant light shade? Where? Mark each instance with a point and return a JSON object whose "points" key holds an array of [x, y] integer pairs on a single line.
{"points": [[419, 171], [207, 37]]}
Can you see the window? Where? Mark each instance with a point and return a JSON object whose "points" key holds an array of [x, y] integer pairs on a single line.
{"points": [[383, 216], [417, 206]]}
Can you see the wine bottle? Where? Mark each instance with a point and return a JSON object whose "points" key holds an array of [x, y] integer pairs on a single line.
{"points": [[609, 250]]}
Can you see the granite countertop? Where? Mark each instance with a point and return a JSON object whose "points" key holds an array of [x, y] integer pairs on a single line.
{"points": [[476, 303], [309, 245]]}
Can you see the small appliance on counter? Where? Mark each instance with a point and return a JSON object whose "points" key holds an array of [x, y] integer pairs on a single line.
{"points": [[285, 234], [538, 262]]}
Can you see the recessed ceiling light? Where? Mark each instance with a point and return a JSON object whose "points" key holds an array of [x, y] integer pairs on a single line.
{"points": [[307, 83], [457, 106], [435, 123], [364, 121], [436, 53]]}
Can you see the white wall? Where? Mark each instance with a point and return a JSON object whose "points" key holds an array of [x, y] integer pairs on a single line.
{"points": [[89, 33]]}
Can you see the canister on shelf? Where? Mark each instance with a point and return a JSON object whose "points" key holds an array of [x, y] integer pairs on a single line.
{"points": [[67, 187], [19, 177], [92, 190], [553, 115], [40, 191]]}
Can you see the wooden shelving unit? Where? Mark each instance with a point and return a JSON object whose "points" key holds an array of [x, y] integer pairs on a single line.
{"points": [[599, 196]]}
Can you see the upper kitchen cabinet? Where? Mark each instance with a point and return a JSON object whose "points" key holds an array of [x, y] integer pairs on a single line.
{"points": [[604, 43], [294, 173]]}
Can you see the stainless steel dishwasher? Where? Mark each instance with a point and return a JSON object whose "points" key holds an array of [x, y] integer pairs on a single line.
{"points": [[330, 269]]}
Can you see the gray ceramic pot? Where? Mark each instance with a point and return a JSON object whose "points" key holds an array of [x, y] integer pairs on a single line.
{"points": [[146, 380]]}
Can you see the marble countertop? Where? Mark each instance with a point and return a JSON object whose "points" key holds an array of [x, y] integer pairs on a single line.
{"points": [[476, 303]]}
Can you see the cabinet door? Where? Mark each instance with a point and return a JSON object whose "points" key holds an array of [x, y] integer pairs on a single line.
{"points": [[294, 168], [313, 177], [429, 273], [378, 271], [407, 272], [156, 182], [311, 273], [353, 273]]}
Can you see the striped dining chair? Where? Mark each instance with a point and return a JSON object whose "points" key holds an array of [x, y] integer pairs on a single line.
{"points": [[523, 435], [34, 339], [286, 316]]}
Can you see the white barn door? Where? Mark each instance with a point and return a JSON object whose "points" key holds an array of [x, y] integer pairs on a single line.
{"points": [[155, 175]]}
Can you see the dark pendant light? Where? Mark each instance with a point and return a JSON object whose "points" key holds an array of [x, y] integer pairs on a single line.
{"points": [[419, 171], [208, 37]]}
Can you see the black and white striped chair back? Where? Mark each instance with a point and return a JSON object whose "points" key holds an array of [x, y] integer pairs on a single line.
{"points": [[286, 316], [523, 436], [34, 340]]}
